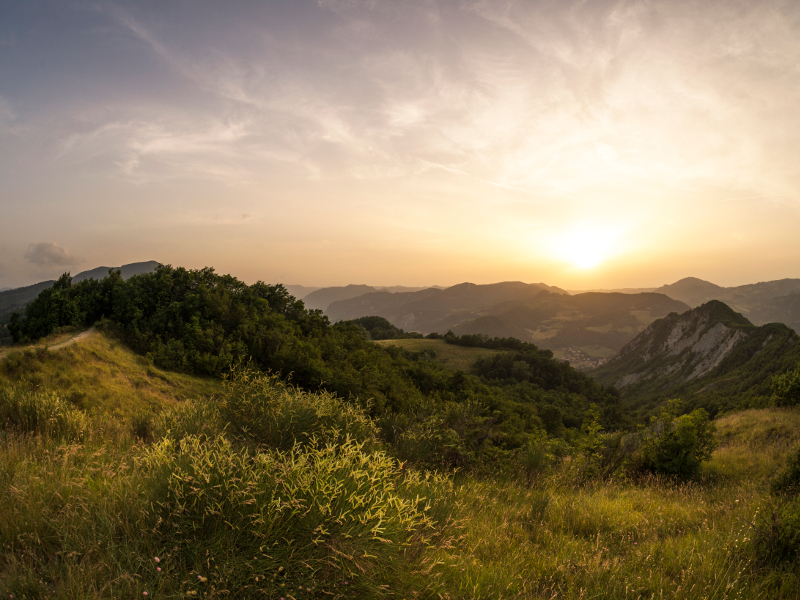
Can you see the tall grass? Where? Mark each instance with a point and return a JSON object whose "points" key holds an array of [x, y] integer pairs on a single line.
{"points": [[328, 518], [240, 512], [40, 413], [310, 523], [266, 411]]}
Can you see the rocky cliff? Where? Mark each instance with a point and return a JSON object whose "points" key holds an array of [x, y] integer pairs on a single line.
{"points": [[707, 349]]}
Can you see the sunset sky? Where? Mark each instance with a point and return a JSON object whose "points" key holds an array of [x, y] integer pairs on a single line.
{"points": [[582, 144]]}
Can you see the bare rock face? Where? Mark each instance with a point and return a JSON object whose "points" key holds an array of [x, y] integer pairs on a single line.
{"points": [[682, 347]]}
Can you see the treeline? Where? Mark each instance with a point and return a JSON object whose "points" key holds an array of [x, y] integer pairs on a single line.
{"points": [[201, 322], [379, 328]]}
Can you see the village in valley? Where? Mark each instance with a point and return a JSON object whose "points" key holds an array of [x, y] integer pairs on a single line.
{"points": [[579, 360]]}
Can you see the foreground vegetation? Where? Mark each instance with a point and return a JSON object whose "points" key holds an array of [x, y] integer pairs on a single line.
{"points": [[270, 491]]}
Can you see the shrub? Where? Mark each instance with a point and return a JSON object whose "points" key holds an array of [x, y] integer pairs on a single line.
{"points": [[786, 388], [787, 482], [677, 445], [41, 413], [777, 540], [310, 518], [266, 411]]}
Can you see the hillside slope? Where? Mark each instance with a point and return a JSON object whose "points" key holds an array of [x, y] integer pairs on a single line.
{"points": [[705, 355], [99, 374]]}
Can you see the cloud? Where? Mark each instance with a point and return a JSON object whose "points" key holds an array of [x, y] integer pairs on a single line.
{"points": [[49, 254]]}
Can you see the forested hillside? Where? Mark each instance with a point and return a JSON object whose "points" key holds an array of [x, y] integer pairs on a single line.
{"points": [[201, 322]]}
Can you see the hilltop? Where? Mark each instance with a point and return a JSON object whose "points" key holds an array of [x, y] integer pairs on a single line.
{"points": [[710, 355], [15, 300], [98, 374], [132, 489], [764, 302]]}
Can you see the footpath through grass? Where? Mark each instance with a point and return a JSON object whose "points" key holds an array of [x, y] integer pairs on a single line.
{"points": [[98, 374]]}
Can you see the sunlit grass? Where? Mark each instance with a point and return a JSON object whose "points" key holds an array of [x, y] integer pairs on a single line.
{"points": [[101, 375], [646, 539]]}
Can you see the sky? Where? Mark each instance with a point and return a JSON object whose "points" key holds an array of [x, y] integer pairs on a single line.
{"points": [[584, 144]]}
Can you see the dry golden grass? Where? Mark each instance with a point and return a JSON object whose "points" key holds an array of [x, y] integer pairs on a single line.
{"points": [[99, 374]]}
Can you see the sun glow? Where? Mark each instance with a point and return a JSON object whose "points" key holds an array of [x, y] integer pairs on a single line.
{"points": [[584, 246]]}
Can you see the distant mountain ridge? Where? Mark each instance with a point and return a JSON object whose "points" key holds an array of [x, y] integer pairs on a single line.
{"points": [[708, 351], [320, 299], [423, 310], [596, 323], [764, 302]]}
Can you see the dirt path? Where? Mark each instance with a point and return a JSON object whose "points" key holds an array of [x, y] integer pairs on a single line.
{"points": [[61, 344]]}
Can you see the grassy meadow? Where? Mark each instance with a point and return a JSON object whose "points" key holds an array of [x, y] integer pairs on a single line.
{"points": [[98, 374], [119, 480], [451, 356]]}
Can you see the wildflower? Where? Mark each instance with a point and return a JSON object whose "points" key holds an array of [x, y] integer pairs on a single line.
{"points": [[144, 593], [158, 569], [202, 579], [157, 559]]}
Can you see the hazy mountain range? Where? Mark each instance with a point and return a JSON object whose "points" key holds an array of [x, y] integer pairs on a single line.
{"points": [[321, 298], [548, 316], [595, 324]]}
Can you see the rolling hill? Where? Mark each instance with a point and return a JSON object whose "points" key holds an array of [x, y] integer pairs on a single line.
{"points": [[320, 299], [596, 324]]}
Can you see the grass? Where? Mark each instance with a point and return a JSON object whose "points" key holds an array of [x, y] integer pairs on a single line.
{"points": [[86, 516], [99, 374], [451, 356], [622, 539]]}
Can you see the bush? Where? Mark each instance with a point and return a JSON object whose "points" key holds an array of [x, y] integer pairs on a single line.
{"points": [[310, 519], [677, 445], [266, 411], [786, 388], [777, 540], [41, 413], [787, 482]]}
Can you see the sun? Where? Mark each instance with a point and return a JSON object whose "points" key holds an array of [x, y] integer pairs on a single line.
{"points": [[584, 246]]}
